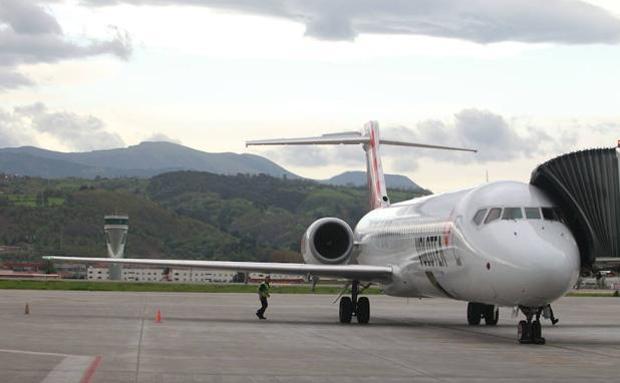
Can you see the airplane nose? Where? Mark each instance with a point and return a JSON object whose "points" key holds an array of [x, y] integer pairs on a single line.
{"points": [[535, 267], [553, 269], [553, 274]]}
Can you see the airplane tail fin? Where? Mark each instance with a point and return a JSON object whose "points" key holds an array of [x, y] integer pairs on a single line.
{"points": [[377, 190], [370, 140]]}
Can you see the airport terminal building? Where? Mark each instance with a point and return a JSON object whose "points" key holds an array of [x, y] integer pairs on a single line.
{"points": [[158, 275], [184, 275]]}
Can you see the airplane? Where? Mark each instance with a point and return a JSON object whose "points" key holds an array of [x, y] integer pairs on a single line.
{"points": [[498, 244]]}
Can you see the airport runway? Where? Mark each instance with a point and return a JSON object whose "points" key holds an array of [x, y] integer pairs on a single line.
{"points": [[113, 337]]}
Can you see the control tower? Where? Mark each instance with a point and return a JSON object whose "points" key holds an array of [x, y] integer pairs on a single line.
{"points": [[116, 227]]}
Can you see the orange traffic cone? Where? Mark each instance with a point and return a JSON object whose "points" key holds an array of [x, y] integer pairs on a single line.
{"points": [[158, 317], [27, 309]]}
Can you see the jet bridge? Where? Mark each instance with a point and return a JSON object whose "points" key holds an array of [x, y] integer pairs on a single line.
{"points": [[586, 187]]}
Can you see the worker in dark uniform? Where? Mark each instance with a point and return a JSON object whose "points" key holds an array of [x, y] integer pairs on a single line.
{"points": [[263, 294], [548, 313], [554, 320]]}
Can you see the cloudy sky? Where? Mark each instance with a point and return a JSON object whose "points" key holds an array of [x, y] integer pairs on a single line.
{"points": [[520, 80]]}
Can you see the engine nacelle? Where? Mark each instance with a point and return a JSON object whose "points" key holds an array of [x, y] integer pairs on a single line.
{"points": [[327, 241]]}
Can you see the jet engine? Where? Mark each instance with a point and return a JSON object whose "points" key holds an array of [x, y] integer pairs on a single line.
{"points": [[327, 241]]}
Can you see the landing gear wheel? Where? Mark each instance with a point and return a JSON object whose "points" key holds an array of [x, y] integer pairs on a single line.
{"points": [[536, 329], [537, 333], [363, 310], [530, 331], [346, 310], [360, 307], [524, 333], [474, 313], [491, 315]]}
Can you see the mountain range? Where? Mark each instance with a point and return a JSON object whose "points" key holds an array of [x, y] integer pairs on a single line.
{"points": [[149, 159]]}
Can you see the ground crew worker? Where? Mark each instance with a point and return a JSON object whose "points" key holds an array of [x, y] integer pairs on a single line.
{"points": [[263, 294], [548, 313]]}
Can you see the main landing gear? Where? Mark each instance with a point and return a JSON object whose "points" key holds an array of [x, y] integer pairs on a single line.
{"points": [[530, 331], [349, 306], [477, 311]]}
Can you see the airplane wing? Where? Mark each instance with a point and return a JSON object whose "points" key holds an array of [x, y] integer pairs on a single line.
{"points": [[357, 272]]}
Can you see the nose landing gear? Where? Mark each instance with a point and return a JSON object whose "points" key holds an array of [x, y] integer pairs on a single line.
{"points": [[530, 331]]}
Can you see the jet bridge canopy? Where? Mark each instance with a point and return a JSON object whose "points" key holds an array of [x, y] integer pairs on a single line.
{"points": [[586, 187]]}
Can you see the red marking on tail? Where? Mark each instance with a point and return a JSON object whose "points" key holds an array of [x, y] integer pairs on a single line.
{"points": [[375, 166]]}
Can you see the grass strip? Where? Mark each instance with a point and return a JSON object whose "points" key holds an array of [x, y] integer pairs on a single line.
{"points": [[603, 293], [22, 284], [80, 285]]}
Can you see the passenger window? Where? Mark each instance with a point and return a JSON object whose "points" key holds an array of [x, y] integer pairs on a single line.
{"points": [[494, 214], [479, 216], [532, 213], [512, 213], [549, 214]]}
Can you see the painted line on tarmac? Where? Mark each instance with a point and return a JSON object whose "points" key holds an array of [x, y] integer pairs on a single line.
{"points": [[140, 342], [34, 353], [74, 369], [90, 371]]}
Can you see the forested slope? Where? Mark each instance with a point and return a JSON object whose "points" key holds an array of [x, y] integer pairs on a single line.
{"points": [[193, 215]]}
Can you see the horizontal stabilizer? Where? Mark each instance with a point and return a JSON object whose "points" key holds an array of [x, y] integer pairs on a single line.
{"points": [[416, 145], [348, 138], [327, 139], [371, 140], [358, 272]]}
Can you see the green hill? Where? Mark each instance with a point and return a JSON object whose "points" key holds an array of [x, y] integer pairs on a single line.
{"points": [[190, 215], [148, 159], [359, 179], [143, 160]]}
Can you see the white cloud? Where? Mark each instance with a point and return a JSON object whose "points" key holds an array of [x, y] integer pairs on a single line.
{"points": [[34, 125], [29, 34], [496, 139], [10, 79], [13, 132], [161, 137], [481, 21]]}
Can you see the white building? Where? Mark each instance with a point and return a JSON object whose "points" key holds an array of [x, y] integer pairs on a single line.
{"points": [[276, 278], [157, 275]]}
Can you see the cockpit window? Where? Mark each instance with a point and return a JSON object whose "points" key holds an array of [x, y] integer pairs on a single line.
{"points": [[532, 213], [553, 214], [479, 216], [512, 213], [549, 214], [559, 214], [494, 214]]}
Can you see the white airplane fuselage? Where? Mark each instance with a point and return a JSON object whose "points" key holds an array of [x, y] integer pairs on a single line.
{"points": [[437, 250]]}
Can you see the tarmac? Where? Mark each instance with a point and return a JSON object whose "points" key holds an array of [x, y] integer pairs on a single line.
{"points": [[113, 337]]}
